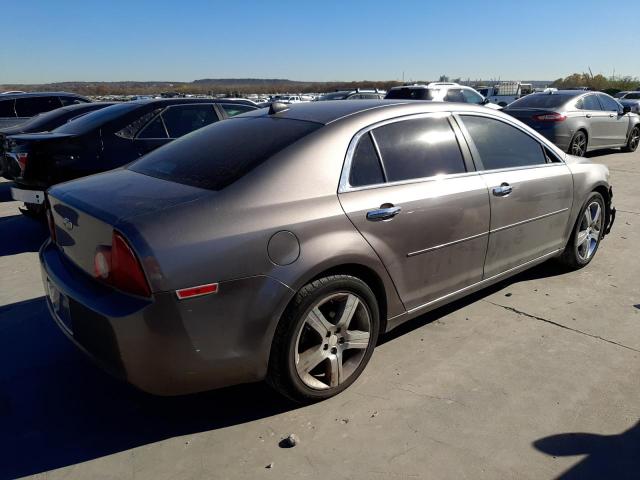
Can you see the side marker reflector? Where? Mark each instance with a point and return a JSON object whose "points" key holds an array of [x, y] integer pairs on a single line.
{"points": [[197, 291]]}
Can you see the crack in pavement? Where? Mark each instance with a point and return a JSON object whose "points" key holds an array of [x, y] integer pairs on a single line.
{"points": [[623, 171], [597, 337], [628, 211]]}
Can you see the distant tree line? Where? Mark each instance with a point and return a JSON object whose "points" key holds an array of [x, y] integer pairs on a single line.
{"points": [[598, 82]]}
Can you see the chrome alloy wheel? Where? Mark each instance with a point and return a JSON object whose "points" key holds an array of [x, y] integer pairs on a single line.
{"points": [[333, 340], [589, 231], [635, 139], [579, 145]]}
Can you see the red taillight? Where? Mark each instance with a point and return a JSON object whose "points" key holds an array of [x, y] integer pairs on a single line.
{"points": [[119, 267], [550, 117], [22, 160], [51, 223], [197, 291]]}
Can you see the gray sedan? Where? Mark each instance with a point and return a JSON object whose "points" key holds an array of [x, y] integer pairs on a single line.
{"points": [[579, 121], [281, 244]]}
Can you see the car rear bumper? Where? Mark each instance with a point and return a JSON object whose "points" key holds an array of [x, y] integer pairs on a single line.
{"points": [[27, 195], [163, 345]]}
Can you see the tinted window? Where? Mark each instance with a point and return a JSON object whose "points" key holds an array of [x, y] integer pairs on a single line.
{"points": [[541, 100], [97, 119], [233, 110], [632, 96], [365, 165], [220, 154], [155, 129], [30, 106], [590, 102], [472, 97], [502, 146], [608, 103], [183, 119], [418, 148], [6, 108], [410, 94], [134, 127], [71, 100], [454, 95]]}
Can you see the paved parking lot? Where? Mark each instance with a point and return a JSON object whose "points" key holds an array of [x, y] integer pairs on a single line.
{"points": [[537, 377]]}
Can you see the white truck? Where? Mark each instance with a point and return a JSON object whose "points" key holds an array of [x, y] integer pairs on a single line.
{"points": [[504, 93]]}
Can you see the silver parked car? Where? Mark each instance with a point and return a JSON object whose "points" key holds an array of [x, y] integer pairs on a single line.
{"points": [[579, 121], [630, 99], [280, 244]]}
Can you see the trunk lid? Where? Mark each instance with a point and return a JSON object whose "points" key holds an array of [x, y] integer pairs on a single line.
{"points": [[85, 212], [526, 115]]}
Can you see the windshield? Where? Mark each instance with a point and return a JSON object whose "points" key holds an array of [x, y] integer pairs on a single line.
{"points": [[334, 96], [96, 119], [410, 94], [543, 100], [218, 155]]}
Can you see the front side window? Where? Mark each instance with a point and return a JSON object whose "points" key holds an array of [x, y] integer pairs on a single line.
{"points": [[235, 109], [632, 96], [454, 95], [183, 119], [608, 103], [472, 97], [365, 164], [502, 146], [31, 106], [418, 148]]}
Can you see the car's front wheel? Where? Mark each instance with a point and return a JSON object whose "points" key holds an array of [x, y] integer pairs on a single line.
{"points": [[634, 140], [587, 233], [324, 339]]}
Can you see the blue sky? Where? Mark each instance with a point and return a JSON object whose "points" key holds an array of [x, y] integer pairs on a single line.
{"points": [[60, 40]]}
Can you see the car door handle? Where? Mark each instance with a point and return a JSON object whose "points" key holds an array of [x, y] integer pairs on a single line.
{"points": [[588, 115], [612, 115], [383, 213], [503, 190]]}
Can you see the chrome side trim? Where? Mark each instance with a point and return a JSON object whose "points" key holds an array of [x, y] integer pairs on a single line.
{"points": [[539, 217], [479, 284], [448, 244]]}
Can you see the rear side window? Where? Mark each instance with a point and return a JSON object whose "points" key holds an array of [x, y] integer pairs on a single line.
{"points": [[418, 148], [31, 106], [232, 110], [410, 94], [590, 102], [6, 108], [472, 97], [365, 164], [216, 156], [183, 119], [134, 127], [502, 146]]}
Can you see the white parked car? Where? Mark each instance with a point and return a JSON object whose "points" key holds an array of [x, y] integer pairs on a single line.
{"points": [[440, 92]]}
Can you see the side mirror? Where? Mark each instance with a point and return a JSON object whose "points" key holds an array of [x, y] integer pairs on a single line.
{"points": [[626, 109], [485, 101]]}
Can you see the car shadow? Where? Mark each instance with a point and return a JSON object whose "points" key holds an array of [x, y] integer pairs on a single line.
{"points": [[544, 270], [602, 153], [5, 192], [20, 234], [607, 456], [58, 409]]}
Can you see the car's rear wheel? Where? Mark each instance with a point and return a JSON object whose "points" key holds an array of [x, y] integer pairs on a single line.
{"points": [[324, 339], [634, 140], [578, 145], [587, 233]]}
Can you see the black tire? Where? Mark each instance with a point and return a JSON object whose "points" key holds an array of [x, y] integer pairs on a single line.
{"points": [[282, 374], [571, 256], [633, 141], [578, 145]]}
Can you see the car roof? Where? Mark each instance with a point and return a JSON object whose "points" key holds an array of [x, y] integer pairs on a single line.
{"points": [[333, 110], [38, 94], [172, 101]]}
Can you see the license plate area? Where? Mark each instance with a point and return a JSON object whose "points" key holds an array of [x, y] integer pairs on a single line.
{"points": [[60, 306]]}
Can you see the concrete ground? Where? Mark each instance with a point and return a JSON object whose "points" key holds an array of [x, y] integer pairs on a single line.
{"points": [[535, 378]]}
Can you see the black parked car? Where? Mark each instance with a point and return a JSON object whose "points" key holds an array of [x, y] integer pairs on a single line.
{"points": [[106, 139], [16, 108], [44, 122]]}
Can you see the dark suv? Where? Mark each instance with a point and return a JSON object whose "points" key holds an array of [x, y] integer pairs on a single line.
{"points": [[16, 108], [106, 139]]}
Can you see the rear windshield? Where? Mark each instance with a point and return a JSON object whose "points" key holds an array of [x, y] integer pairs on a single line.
{"points": [[410, 94], [218, 155], [544, 100], [96, 119]]}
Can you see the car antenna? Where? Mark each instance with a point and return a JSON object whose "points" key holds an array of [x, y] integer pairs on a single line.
{"points": [[277, 107]]}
